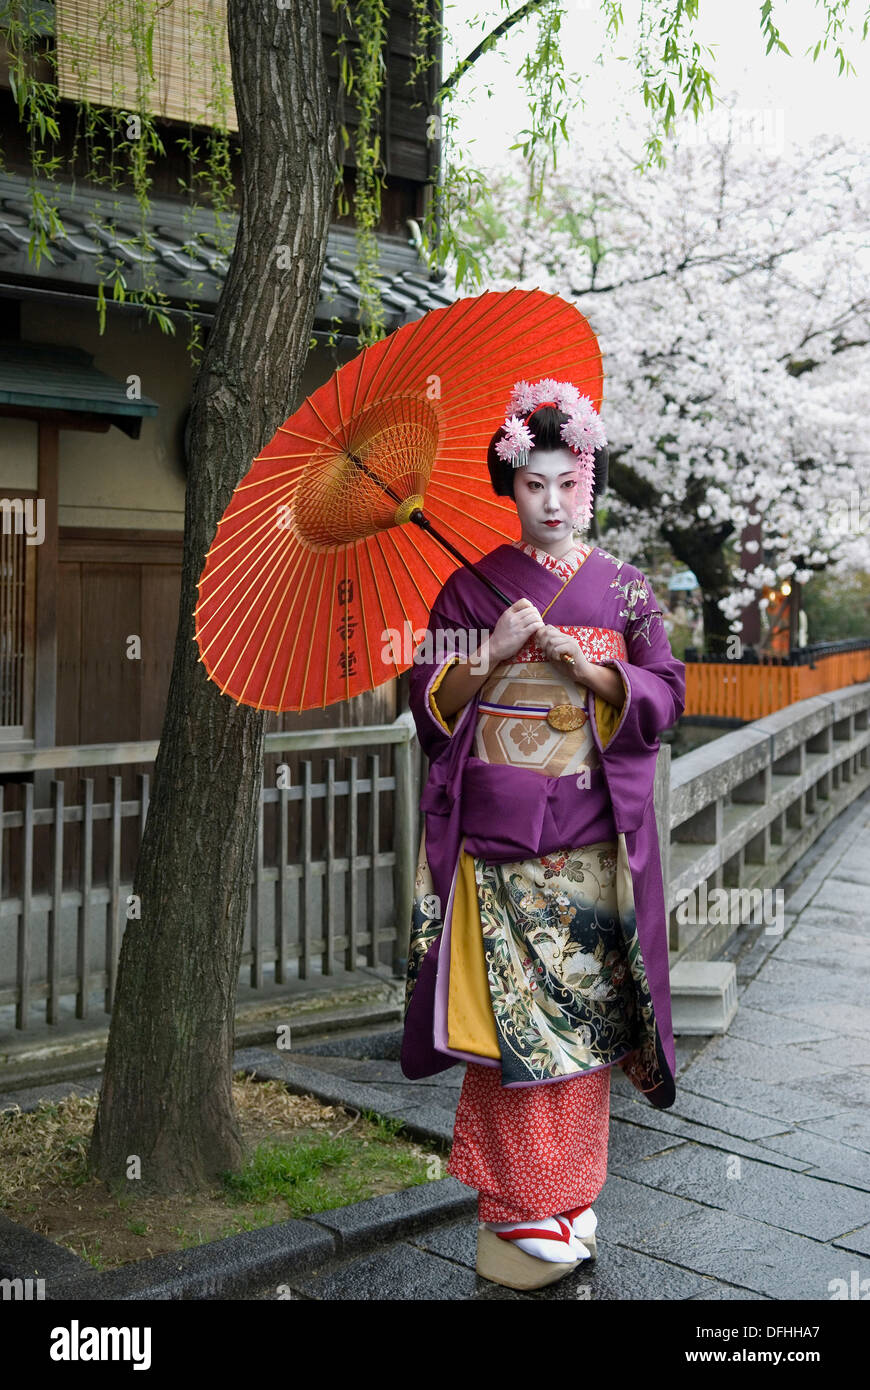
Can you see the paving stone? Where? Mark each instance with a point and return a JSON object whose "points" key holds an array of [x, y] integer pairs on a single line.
{"points": [[846, 1018], [397, 1274], [784, 993], [496, 1293], [686, 1048], [411, 1093], [774, 1102], [837, 963], [851, 1087], [446, 1097], [629, 1211], [368, 1070], [719, 1292], [787, 1063], [724, 1115], [840, 1046], [849, 1129], [834, 892], [629, 1142], [840, 922], [808, 982], [618, 1273], [792, 1201], [690, 1113], [456, 1241], [774, 1030], [854, 873], [825, 1158], [752, 958], [748, 1254], [386, 1075], [846, 933], [858, 1240], [729, 1143], [386, 1044], [620, 1084]]}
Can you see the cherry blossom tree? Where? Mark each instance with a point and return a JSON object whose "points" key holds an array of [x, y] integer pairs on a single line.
{"points": [[729, 294]]}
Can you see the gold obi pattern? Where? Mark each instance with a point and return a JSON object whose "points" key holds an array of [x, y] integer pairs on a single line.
{"points": [[518, 695]]}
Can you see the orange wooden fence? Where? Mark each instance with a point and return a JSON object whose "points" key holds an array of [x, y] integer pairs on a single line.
{"points": [[733, 690]]}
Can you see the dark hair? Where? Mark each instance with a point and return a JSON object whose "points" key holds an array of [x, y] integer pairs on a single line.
{"points": [[546, 426]]}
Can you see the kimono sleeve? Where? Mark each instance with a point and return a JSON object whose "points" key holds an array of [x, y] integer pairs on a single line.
{"points": [[653, 678], [447, 641]]}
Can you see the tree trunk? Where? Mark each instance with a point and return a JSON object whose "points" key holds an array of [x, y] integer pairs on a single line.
{"points": [[698, 545], [702, 549], [167, 1090]]}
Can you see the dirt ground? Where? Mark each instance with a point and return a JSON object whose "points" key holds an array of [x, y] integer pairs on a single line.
{"points": [[45, 1186]]}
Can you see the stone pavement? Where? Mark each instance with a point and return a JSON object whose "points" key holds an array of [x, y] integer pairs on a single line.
{"points": [[755, 1185]]}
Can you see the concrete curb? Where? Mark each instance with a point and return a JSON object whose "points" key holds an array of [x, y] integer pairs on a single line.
{"points": [[238, 1264], [47, 1069]]}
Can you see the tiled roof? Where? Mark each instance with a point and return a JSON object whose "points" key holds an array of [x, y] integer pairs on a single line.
{"points": [[102, 226], [52, 376]]}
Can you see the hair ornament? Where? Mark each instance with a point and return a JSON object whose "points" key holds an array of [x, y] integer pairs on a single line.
{"points": [[582, 432]]}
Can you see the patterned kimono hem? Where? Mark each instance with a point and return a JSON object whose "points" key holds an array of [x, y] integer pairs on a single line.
{"points": [[570, 1075]]}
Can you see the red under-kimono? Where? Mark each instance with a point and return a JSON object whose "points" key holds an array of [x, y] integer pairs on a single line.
{"points": [[565, 982]]}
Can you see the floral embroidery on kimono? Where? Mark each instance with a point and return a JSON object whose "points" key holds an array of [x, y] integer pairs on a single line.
{"points": [[635, 592], [552, 925]]}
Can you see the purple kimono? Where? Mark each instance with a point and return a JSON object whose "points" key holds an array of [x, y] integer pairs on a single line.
{"points": [[502, 814]]}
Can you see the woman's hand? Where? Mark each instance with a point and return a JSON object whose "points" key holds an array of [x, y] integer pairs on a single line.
{"points": [[601, 680], [555, 645], [513, 629]]}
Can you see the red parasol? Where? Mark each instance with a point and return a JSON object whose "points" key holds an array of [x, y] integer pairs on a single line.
{"points": [[315, 560]]}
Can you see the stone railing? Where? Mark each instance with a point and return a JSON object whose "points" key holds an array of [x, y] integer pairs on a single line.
{"points": [[738, 812]]}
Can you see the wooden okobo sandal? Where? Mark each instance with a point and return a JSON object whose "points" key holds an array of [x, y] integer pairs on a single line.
{"points": [[502, 1262]]}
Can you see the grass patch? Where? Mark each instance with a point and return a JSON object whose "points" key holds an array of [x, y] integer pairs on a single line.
{"points": [[300, 1157]]}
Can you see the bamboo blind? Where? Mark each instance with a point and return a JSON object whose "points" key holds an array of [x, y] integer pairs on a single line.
{"points": [[96, 60]]}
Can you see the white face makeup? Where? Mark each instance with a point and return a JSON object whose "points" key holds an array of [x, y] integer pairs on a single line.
{"points": [[546, 492]]}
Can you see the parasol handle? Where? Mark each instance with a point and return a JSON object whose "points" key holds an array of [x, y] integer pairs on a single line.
{"points": [[425, 525], [419, 519]]}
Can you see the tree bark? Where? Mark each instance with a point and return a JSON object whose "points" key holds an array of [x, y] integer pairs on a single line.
{"points": [[166, 1095]]}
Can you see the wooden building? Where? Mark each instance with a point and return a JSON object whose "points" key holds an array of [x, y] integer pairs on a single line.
{"points": [[92, 426], [106, 454]]}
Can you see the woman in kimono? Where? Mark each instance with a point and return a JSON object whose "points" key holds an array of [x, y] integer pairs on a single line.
{"points": [[538, 950]]}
